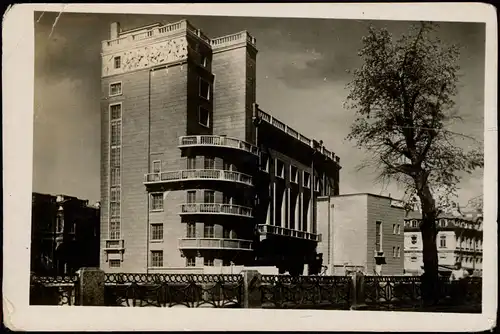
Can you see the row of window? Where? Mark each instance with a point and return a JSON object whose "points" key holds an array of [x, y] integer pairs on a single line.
{"points": [[396, 229], [444, 223], [157, 261], [157, 199], [279, 171], [443, 238]]}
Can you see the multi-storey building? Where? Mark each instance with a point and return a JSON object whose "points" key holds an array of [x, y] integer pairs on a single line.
{"points": [[64, 234], [193, 172], [361, 232], [459, 239]]}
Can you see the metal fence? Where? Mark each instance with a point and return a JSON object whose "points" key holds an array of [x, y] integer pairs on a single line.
{"points": [[268, 291]]}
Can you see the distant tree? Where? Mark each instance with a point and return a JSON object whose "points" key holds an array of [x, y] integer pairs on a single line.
{"points": [[403, 98]]}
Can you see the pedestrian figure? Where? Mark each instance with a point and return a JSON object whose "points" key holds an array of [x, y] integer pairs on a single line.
{"points": [[458, 279]]}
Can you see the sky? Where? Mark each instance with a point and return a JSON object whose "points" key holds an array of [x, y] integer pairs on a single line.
{"points": [[301, 80]]}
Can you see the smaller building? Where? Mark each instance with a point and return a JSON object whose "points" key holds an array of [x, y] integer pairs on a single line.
{"points": [[361, 232], [64, 234], [459, 239]]}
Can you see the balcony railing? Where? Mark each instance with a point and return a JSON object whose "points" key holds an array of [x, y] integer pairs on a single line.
{"points": [[169, 29], [198, 174], [238, 37], [114, 244], [219, 141], [215, 208], [215, 243], [295, 134], [278, 230]]}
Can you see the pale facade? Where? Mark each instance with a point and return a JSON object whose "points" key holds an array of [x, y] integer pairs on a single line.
{"points": [[459, 239], [361, 232]]}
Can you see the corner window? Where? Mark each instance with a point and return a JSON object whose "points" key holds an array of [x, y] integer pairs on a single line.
{"points": [[117, 62], [204, 89], [191, 196], [209, 163], [115, 89], [204, 117], [191, 163], [156, 202], [209, 197]]}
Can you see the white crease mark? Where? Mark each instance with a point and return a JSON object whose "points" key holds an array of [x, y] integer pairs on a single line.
{"points": [[57, 19]]}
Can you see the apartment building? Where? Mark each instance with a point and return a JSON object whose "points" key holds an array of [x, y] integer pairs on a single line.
{"points": [[64, 234], [459, 239], [193, 173], [361, 232]]}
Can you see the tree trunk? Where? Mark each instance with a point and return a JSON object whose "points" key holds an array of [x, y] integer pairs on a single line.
{"points": [[430, 278]]}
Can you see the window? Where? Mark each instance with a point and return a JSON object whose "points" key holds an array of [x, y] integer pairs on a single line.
{"points": [[156, 166], [115, 111], [115, 157], [204, 117], [227, 166], [226, 199], [226, 262], [190, 261], [414, 223], [393, 228], [280, 168], [399, 229], [393, 251], [204, 61], [208, 231], [378, 236], [191, 196], [157, 202], [115, 176], [209, 196], [156, 231], [398, 252], [115, 89], [72, 228], [156, 258], [306, 180], [442, 241], [191, 230], [208, 262], [414, 239], [191, 163], [227, 233], [204, 89], [293, 174], [115, 263], [118, 62], [264, 162], [115, 209], [114, 230], [116, 134], [209, 163], [59, 223]]}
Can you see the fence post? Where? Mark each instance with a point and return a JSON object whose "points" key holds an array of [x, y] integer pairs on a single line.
{"points": [[358, 291], [251, 291], [91, 286]]}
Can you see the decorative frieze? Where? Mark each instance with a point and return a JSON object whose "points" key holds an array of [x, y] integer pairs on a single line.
{"points": [[161, 53]]}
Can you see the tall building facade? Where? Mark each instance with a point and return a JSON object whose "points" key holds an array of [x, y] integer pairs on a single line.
{"points": [[193, 172], [64, 234], [361, 232], [459, 239]]}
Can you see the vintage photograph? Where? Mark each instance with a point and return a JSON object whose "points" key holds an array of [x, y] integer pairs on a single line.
{"points": [[187, 161]]}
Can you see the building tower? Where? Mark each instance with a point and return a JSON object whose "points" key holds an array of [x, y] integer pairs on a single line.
{"points": [[184, 178]]}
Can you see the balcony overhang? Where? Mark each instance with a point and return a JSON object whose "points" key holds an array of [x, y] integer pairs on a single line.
{"points": [[218, 142], [215, 244], [197, 176], [215, 209], [265, 229]]}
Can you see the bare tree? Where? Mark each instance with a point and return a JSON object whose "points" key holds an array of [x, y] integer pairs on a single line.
{"points": [[403, 96]]}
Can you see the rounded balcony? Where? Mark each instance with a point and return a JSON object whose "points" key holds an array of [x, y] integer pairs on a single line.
{"points": [[183, 178], [214, 244], [215, 209], [218, 142]]}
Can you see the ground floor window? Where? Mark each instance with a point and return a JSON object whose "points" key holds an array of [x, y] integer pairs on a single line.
{"points": [[157, 258]]}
